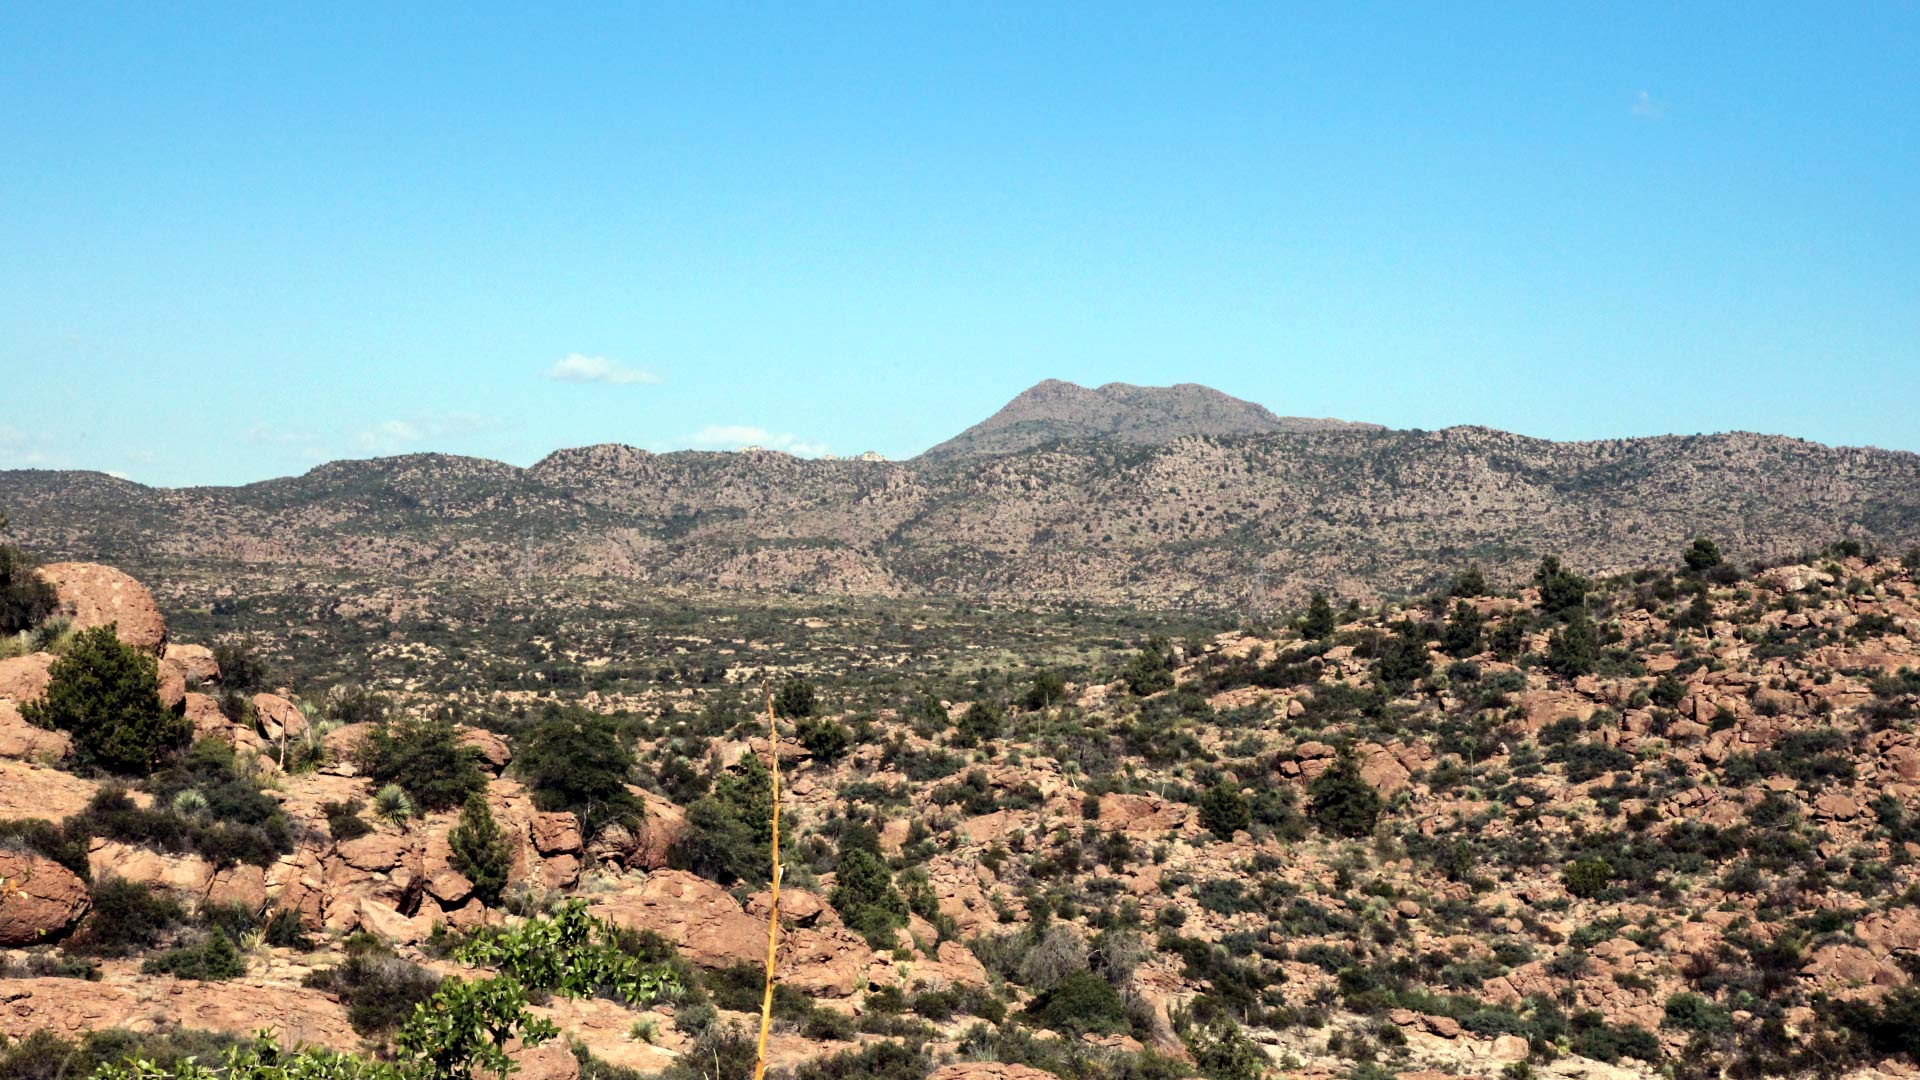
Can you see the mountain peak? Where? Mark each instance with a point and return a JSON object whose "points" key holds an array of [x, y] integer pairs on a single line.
{"points": [[1055, 409]]}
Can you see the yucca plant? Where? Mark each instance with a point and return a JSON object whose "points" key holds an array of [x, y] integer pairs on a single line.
{"points": [[190, 803], [391, 804]]}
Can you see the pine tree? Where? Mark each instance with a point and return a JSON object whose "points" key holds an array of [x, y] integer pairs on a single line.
{"points": [[480, 849], [1318, 623], [105, 693]]}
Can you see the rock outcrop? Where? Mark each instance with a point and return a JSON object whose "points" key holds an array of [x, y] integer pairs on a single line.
{"points": [[40, 900], [94, 595]]}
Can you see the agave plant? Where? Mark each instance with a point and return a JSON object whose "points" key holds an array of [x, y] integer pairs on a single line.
{"points": [[392, 805], [190, 803]]}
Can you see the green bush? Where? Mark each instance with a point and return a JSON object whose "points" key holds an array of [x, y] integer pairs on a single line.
{"points": [[1574, 649], [824, 738], [1343, 803], [572, 760], [26, 599], [1047, 690], [794, 699], [105, 694], [1688, 1011], [982, 722], [378, 988], [214, 958], [1224, 810], [1151, 670], [426, 759], [127, 918], [344, 821], [865, 897], [1701, 556], [1561, 590], [1588, 878], [1080, 1003], [730, 832], [480, 850], [1318, 622]]}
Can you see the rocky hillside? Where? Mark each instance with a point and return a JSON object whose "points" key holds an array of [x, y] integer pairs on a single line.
{"points": [[1663, 822], [1249, 522], [1055, 411]]}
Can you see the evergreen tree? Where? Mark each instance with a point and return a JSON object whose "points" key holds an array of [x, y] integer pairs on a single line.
{"points": [[26, 600], [794, 699], [1224, 810], [1574, 648], [1470, 582], [1318, 623], [105, 694], [1701, 556], [864, 895], [1464, 628], [1341, 801], [1561, 590], [480, 849]]}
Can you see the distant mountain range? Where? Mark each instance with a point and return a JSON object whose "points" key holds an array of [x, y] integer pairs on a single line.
{"points": [[1121, 494]]}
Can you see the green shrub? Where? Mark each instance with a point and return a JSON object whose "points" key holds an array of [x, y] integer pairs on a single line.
{"points": [[425, 759], [730, 832], [26, 599], [1079, 1003], [213, 959], [824, 738], [1151, 670], [1574, 649], [242, 671], [1588, 878], [1701, 556], [1561, 590], [1224, 810], [480, 850], [344, 821], [1688, 1011], [982, 722], [1343, 803], [105, 694], [794, 699], [865, 897], [378, 988], [1047, 690], [127, 918], [1318, 622], [575, 761]]}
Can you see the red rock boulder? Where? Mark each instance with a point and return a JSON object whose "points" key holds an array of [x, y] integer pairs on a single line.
{"points": [[94, 595]]}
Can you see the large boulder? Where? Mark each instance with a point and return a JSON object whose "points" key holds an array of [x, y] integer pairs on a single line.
{"points": [[93, 595], [23, 678], [988, 1070], [196, 662], [279, 717], [24, 742], [39, 899], [29, 791], [699, 917]]}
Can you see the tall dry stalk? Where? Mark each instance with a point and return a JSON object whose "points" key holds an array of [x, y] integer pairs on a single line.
{"points": [[773, 914]]}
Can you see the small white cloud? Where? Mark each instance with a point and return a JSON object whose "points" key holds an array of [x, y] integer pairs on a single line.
{"points": [[24, 450], [737, 436], [1646, 108], [398, 436], [576, 368]]}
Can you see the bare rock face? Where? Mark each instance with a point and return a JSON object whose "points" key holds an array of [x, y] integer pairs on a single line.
{"points": [[196, 662], [94, 595], [1140, 813], [28, 791], [647, 846], [73, 1006], [189, 875], [39, 899], [988, 1070], [24, 678], [279, 718], [698, 916], [24, 742], [492, 748]]}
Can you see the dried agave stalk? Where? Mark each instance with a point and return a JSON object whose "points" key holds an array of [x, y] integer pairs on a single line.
{"points": [[773, 913]]}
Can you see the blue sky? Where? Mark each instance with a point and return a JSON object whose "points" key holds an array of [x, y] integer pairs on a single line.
{"points": [[237, 242]]}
